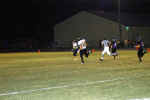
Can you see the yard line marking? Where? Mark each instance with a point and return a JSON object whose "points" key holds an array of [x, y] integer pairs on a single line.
{"points": [[141, 99], [58, 87], [65, 86]]}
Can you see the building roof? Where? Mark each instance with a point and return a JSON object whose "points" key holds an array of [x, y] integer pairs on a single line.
{"points": [[128, 19]]}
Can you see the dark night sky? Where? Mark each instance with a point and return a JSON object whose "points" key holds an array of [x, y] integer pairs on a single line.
{"points": [[47, 13]]}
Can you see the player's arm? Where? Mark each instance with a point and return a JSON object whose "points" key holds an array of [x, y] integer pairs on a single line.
{"points": [[137, 46], [110, 44], [85, 44], [81, 47]]}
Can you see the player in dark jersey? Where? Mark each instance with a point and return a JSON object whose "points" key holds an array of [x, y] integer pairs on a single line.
{"points": [[141, 50], [114, 52]]}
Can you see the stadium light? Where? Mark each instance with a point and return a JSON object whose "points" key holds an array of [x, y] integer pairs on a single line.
{"points": [[127, 28]]}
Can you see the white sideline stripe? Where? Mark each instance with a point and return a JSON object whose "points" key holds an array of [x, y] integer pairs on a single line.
{"points": [[57, 87], [141, 99]]}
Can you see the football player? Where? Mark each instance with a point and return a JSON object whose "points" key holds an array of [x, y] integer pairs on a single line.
{"points": [[114, 52], [105, 43], [75, 47], [141, 50], [83, 49]]}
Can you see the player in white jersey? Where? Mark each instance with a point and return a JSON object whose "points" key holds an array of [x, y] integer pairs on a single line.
{"points": [[105, 43], [75, 47], [83, 49]]}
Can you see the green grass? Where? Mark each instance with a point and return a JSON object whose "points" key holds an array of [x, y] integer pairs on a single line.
{"points": [[123, 79]]}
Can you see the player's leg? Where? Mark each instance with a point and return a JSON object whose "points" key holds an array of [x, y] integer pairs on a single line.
{"points": [[86, 52], [139, 54], [107, 51], [117, 55], [142, 54], [114, 53], [81, 56], [102, 55], [114, 57], [74, 52]]}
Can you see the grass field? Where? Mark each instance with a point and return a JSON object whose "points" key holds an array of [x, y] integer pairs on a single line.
{"points": [[56, 76]]}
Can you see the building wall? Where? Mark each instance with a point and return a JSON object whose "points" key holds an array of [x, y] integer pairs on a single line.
{"points": [[87, 25], [141, 33]]}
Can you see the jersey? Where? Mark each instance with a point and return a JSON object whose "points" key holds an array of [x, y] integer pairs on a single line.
{"points": [[82, 44], [114, 48], [140, 45], [105, 43], [75, 45], [114, 45]]}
